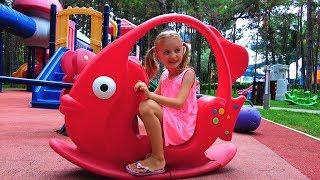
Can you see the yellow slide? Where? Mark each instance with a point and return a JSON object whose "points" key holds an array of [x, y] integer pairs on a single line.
{"points": [[21, 72]]}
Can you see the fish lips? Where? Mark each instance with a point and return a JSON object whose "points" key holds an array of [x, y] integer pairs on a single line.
{"points": [[69, 105]]}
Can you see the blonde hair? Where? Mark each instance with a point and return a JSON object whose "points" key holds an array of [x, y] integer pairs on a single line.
{"points": [[152, 66]]}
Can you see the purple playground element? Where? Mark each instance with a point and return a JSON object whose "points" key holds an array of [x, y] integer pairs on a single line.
{"points": [[248, 120]]}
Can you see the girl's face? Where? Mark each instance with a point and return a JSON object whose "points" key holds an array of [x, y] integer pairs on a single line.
{"points": [[170, 51]]}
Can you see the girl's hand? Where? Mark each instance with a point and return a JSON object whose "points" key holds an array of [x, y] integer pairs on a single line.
{"points": [[142, 87]]}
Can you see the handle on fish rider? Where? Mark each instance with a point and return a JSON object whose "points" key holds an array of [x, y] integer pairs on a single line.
{"points": [[224, 78]]}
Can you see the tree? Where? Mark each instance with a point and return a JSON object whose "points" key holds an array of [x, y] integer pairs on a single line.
{"points": [[309, 38], [316, 57]]}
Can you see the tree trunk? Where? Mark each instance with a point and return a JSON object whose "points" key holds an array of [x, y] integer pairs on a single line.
{"points": [[298, 53], [234, 31], [315, 65], [162, 6], [264, 34], [303, 69], [271, 45], [253, 93], [316, 57], [209, 72], [309, 39], [193, 44], [198, 49], [284, 48], [271, 37]]}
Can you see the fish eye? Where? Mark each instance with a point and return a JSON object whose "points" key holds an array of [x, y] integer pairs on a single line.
{"points": [[104, 87]]}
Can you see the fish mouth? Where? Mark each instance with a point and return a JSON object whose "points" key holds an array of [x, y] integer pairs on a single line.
{"points": [[69, 105]]}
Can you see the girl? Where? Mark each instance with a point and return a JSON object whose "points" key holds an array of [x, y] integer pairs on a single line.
{"points": [[173, 106]]}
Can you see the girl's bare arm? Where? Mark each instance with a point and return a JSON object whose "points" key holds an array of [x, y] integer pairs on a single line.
{"points": [[177, 102]]}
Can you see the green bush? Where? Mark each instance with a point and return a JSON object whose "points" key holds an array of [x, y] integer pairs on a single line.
{"points": [[237, 86]]}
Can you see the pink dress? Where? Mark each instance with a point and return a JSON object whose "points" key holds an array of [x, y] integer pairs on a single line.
{"points": [[178, 124]]}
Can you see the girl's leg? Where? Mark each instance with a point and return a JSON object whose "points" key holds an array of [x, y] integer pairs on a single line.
{"points": [[151, 114]]}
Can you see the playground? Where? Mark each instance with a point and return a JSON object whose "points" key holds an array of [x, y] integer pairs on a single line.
{"points": [[75, 114]]}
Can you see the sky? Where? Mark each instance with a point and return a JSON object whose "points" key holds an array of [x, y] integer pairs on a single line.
{"points": [[246, 39]]}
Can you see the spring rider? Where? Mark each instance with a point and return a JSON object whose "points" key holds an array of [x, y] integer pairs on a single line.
{"points": [[101, 110]]}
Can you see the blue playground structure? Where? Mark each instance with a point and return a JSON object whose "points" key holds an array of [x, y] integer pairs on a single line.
{"points": [[48, 96]]}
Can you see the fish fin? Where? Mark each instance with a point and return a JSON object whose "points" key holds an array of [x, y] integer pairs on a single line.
{"points": [[237, 56]]}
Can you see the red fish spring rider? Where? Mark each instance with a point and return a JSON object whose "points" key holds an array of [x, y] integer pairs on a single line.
{"points": [[101, 110]]}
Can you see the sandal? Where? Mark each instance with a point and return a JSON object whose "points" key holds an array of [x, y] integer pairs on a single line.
{"points": [[145, 170]]}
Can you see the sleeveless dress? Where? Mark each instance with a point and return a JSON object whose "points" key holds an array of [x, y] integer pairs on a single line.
{"points": [[178, 124]]}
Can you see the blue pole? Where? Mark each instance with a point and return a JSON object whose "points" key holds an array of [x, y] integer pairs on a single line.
{"points": [[52, 39], [75, 33], [119, 27], [1, 57], [35, 82], [106, 19]]}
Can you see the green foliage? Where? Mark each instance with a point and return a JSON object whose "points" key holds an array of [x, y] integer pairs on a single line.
{"points": [[204, 87], [13, 86], [21, 57]]}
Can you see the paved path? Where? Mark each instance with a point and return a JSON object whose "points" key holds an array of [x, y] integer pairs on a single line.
{"points": [[294, 110], [271, 153]]}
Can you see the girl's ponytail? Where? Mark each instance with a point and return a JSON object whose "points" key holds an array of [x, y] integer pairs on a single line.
{"points": [[151, 65], [185, 58], [186, 53]]}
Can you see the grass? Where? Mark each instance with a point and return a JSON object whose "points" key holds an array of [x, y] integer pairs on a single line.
{"points": [[305, 122], [9, 86]]}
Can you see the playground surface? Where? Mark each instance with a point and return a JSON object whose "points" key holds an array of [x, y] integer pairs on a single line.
{"points": [[272, 152]]}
